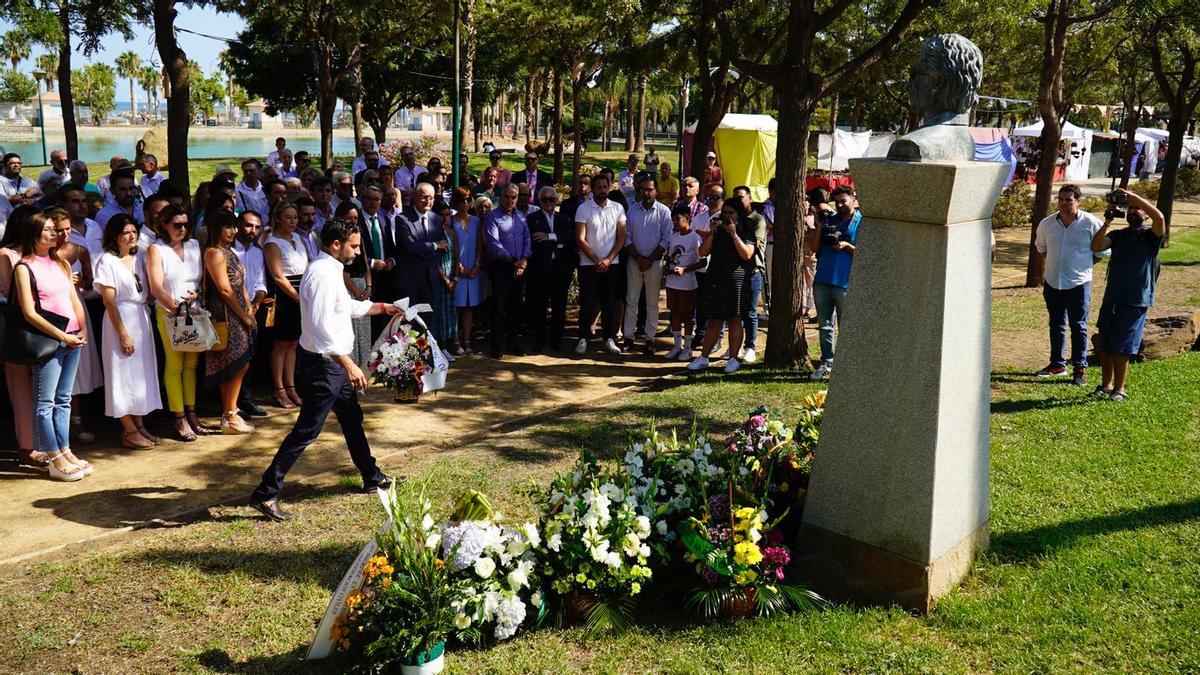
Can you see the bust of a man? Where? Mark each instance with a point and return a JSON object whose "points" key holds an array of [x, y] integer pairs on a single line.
{"points": [[942, 89]]}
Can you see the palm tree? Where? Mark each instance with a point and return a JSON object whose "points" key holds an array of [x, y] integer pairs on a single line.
{"points": [[14, 46], [148, 78], [129, 66], [48, 63]]}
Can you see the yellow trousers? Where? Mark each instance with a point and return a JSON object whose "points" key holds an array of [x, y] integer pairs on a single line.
{"points": [[179, 372]]}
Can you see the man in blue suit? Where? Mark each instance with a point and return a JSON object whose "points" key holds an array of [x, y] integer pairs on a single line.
{"points": [[421, 243], [550, 269]]}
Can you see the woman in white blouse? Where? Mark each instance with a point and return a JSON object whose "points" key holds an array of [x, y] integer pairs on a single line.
{"points": [[286, 259], [173, 269], [130, 364]]}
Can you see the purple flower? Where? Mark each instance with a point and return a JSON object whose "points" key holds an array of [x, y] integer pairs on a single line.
{"points": [[758, 421], [709, 576], [776, 557], [774, 537], [718, 506], [720, 535]]}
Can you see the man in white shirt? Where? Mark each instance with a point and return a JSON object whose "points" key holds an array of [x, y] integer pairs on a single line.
{"points": [[649, 227], [152, 179], [599, 236], [286, 168], [274, 157], [250, 195], [250, 255], [1065, 241], [626, 177], [115, 163], [366, 144], [58, 167], [73, 200], [17, 188], [122, 199], [327, 377], [405, 177]]}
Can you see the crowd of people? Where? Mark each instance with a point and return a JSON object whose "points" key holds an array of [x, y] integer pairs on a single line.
{"points": [[494, 256]]}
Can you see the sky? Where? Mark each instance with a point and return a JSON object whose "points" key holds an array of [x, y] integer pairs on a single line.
{"points": [[202, 50]]}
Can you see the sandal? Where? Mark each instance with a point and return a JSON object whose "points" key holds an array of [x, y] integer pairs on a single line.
{"points": [[199, 427], [140, 442], [35, 459], [76, 461], [232, 423], [148, 436], [1102, 392], [283, 401], [183, 429], [1120, 396], [296, 397], [75, 473]]}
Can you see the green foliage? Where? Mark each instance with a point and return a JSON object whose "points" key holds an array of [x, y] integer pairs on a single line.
{"points": [[48, 63], [1146, 188], [1187, 183], [1090, 117], [205, 92], [1093, 204], [1014, 206], [17, 86], [305, 114], [95, 87], [591, 128], [14, 46]]}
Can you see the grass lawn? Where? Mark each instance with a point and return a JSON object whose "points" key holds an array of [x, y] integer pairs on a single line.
{"points": [[1095, 524]]}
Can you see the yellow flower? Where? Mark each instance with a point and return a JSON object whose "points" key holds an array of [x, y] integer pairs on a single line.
{"points": [[581, 577], [635, 588], [744, 578], [353, 599], [747, 553], [745, 513]]}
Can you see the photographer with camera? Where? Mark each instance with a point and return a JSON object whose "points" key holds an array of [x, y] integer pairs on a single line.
{"points": [[1129, 292], [838, 238], [1064, 239]]}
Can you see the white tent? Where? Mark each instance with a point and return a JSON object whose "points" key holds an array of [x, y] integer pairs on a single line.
{"points": [[833, 151], [1069, 131]]}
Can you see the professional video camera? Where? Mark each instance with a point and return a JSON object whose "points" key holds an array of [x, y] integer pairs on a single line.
{"points": [[1117, 201]]}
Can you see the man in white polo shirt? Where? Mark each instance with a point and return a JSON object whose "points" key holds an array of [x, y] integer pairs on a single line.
{"points": [[599, 235], [1065, 240]]}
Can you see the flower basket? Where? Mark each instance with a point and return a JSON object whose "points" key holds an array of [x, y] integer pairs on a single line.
{"points": [[736, 606], [406, 394], [427, 663]]}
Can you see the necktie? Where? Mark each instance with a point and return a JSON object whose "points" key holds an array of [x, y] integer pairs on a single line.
{"points": [[376, 238]]}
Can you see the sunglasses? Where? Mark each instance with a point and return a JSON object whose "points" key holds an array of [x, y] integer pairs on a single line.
{"points": [[712, 198], [137, 279], [180, 226]]}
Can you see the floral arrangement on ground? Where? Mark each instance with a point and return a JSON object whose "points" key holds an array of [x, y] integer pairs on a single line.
{"points": [[401, 359], [706, 525]]}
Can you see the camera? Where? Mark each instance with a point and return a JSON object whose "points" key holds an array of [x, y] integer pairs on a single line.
{"points": [[830, 234], [1116, 202]]}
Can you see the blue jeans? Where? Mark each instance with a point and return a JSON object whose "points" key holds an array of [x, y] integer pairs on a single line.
{"points": [[750, 320], [830, 301], [52, 384], [1068, 308]]}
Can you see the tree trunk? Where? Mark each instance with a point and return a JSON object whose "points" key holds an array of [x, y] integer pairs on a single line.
{"points": [[357, 119], [469, 34], [1035, 267], [640, 144], [787, 344], [629, 113], [606, 141], [683, 104], [577, 153], [379, 130], [326, 96], [833, 113], [558, 125], [66, 101], [527, 107], [1129, 145], [1177, 127], [132, 103], [1182, 101], [539, 88], [179, 109]]}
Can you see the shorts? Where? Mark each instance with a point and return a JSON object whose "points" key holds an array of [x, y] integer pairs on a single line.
{"points": [[1121, 329], [681, 302]]}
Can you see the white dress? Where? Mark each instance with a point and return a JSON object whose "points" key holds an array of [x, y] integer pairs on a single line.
{"points": [[132, 380], [89, 377]]}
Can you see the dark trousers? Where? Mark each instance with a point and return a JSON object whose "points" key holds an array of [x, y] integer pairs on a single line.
{"points": [[548, 285], [506, 304], [598, 289], [324, 386], [750, 318], [1068, 309]]}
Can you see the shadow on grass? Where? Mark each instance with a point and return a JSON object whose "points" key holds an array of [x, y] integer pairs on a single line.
{"points": [[218, 660], [1025, 405], [323, 565], [1026, 544], [1179, 263]]}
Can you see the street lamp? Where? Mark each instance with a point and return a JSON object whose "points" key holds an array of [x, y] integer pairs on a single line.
{"points": [[38, 76]]}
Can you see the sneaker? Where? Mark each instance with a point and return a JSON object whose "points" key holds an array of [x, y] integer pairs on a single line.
{"points": [[699, 363], [581, 346], [674, 353], [1051, 370], [685, 355], [749, 356], [611, 347], [1079, 377], [822, 371], [732, 366]]}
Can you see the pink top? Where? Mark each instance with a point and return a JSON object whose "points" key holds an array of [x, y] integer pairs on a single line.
{"points": [[54, 289]]}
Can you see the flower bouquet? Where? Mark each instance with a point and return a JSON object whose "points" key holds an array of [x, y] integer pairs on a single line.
{"points": [[400, 360], [404, 610], [495, 565], [596, 544]]}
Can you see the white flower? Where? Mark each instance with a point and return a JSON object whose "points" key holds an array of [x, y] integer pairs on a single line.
{"points": [[433, 540], [643, 527], [612, 559], [536, 600], [518, 579], [554, 542], [644, 551], [661, 526], [462, 621], [484, 567], [630, 544], [509, 614], [516, 547], [531, 534]]}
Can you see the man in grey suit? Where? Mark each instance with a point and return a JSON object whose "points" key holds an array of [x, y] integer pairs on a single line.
{"points": [[422, 241]]}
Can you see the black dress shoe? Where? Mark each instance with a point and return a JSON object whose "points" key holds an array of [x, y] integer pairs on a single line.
{"points": [[270, 509], [517, 351], [254, 410], [384, 484]]}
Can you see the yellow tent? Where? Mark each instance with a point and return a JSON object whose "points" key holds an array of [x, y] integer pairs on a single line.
{"points": [[745, 147]]}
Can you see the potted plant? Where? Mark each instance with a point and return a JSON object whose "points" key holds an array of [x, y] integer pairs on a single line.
{"points": [[399, 361]]}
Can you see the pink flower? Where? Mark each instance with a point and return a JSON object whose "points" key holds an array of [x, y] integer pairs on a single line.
{"points": [[758, 421]]}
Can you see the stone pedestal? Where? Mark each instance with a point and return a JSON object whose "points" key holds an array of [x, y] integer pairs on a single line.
{"points": [[897, 508]]}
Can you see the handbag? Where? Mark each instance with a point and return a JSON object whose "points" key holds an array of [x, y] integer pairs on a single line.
{"points": [[221, 328], [191, 329], [24, 344]]}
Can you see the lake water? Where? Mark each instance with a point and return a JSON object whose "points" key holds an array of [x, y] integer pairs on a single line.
{"points": [[96, 148]]}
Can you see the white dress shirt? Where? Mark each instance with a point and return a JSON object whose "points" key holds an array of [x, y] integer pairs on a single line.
{"points": [[252, 199], [150, 184], [360, 164], [404, 178], [112, 208], [251, 258], [1068, 249], [273, 159], [326, 309]]}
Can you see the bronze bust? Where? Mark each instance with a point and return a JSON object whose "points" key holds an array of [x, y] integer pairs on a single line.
{"points": [[942, 89]]}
